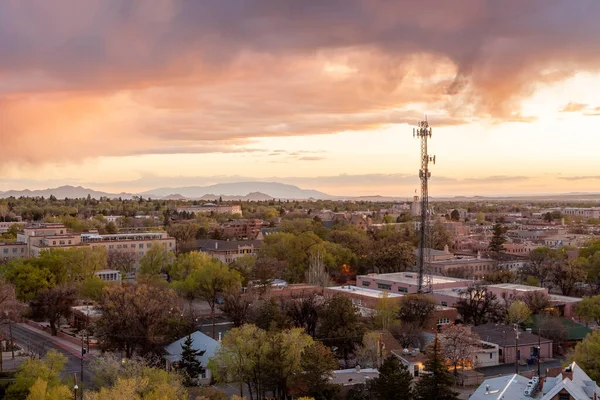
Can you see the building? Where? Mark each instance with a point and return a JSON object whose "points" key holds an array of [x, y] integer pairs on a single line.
{"points": [[406, 282], [242, 229], [507, 387], [42, 237], [586, 213], [509, 291], [109, 275], [113, 218], [347, 378], [5, 226], [363, 298], [228, 250], [504, 337], [12, 250], [207, 347], [572, 384], [211, 208]]}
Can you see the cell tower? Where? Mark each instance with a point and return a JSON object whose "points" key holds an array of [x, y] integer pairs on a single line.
{"points": [[423, 131]]}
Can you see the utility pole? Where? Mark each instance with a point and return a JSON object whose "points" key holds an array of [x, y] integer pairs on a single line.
{"points": [[82, 353], [517, 349], [423, 132], [75, 387], [539, 356], [12, 343]]}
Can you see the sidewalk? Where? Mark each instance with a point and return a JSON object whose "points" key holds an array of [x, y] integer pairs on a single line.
{"points": [[62, 343]]}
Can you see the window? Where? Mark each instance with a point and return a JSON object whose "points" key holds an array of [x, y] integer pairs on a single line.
{"points": [[403, 289], [111, 246], [491, 355], [5, 251], [14, 250], [500, 352], [366, 283], [148, 245], [359, 302], [445, 304], [384, 286], [564, 396], [124, 246], [69, 242], [54, 243], [443, 321]]}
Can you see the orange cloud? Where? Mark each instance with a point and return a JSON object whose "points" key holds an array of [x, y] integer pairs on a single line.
{"points": [[102, 77]]}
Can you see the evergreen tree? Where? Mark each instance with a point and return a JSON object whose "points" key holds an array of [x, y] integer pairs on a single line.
{"points": [[437, 382], [189, 360], [497, 242], [394, 381]]}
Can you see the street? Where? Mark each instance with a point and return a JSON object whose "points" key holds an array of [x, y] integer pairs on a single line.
{"points": [[40, 344]]}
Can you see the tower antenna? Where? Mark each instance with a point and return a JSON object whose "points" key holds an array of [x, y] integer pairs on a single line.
{"points": [[423, 132]]}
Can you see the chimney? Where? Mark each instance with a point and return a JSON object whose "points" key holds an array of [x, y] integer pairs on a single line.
{"points": [[216, 245], [220, 336], [478, 255], [357, 367], [568, 372], [446, 249]]}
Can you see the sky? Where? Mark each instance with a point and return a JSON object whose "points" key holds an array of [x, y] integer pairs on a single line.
{"points": [[122, 95]]}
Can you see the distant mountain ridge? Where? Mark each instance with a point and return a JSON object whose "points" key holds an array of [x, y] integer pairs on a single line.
{"points": [[253, 191], [272, 189]]}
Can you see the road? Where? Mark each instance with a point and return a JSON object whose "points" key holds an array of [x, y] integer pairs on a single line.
{"points": [[40, 344], [505, 369]]}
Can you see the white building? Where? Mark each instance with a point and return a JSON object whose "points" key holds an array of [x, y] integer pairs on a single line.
{"points": [[207, 347]]}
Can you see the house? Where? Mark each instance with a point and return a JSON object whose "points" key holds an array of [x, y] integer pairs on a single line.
{"points": [[348, 378], [572, 384], [109, 275], [504, 337], [207, 347]]}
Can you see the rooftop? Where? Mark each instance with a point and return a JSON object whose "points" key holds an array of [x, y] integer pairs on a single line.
{"points": [[354, 376], [504, 335], [364, 291], [411, 278], [210, 244], [503, 387], [461, 261], [516, 287]]}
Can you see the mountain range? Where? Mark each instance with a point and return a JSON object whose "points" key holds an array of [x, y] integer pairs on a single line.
{"points": [[253, 191], [264, 191]]}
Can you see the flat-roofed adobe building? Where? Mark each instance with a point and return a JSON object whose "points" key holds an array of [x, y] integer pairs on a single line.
{"points": [[12, 250], [406, 282]]}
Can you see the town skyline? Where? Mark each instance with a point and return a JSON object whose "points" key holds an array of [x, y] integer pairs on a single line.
{"points": [[162, 96]]}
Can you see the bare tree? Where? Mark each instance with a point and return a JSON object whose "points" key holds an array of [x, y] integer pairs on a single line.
{"points": [[304, 312], [459, 345], [54, 304], [124, 261], [416, 309], [317, 274], [236, 307], [477, 305]]}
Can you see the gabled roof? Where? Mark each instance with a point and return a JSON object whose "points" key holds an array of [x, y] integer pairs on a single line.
{"points": [[200, 342], [581, 387], [504, 335]]}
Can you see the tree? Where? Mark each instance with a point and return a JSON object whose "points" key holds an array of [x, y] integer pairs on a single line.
{"points": [[244, 265], [54, 304], [496, 245], [440, 237], [304, 312], [340, 325], [31, 370], [156, 261], [386, 312], [316, 365], [42, 391], [111, 228], [393, 380], [459, 345], [183, 233], [317, 274], [92, 288], [537, 301], [135, 319], [123, 261], [566, 274], [588, 309], [517, 313], [189, 363], [437, 383], [587, 354], [455, 215], [28, 280], [214, 278], [242, 359], [416, 309], [477, 305], [540, 261], [396, 257], [236, 307]]}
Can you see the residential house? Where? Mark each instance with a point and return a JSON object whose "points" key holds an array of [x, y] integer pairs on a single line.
{"points": [[207, 347], [572, 384], [504, 337]]}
